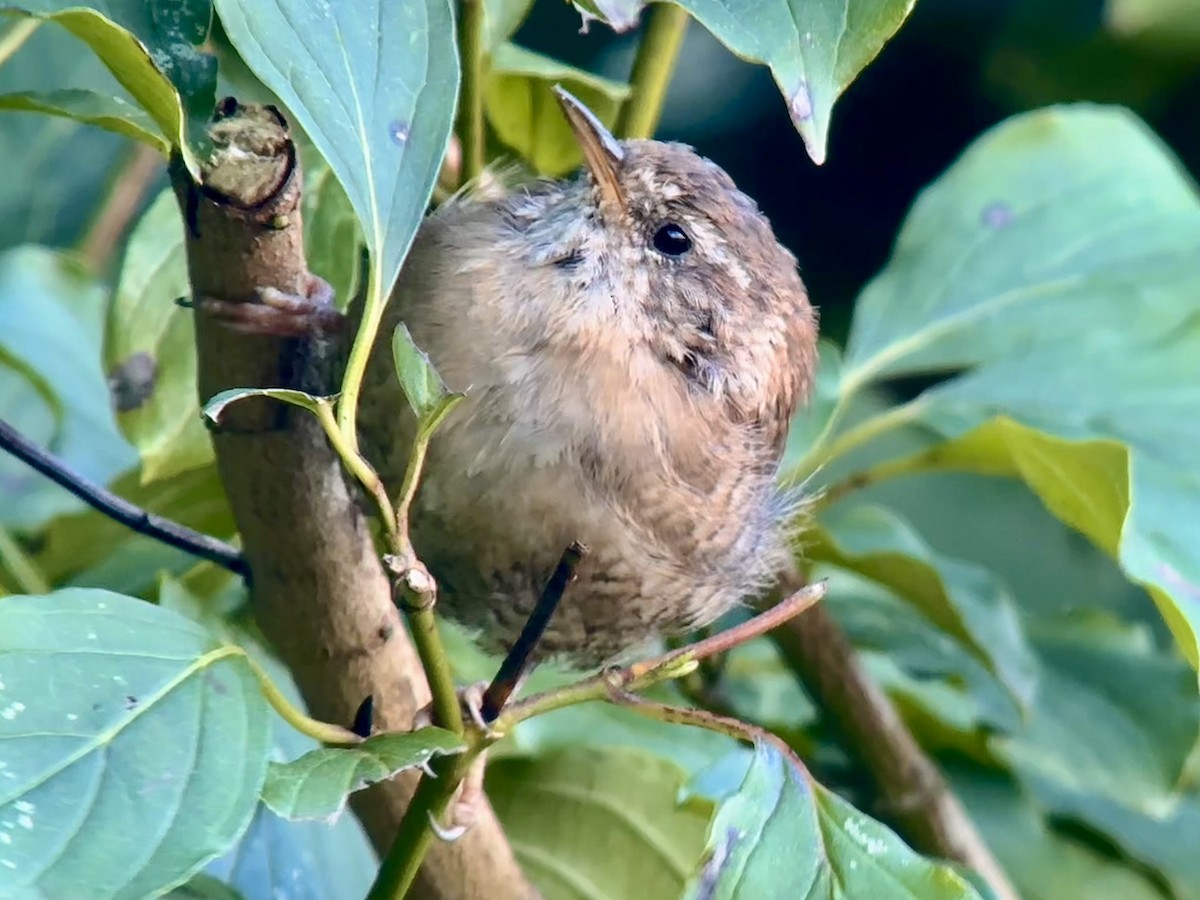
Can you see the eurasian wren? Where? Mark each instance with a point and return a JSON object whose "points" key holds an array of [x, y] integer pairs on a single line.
{"points": [[633, 344]]}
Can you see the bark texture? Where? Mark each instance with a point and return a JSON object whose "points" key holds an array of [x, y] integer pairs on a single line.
{"points": [[319, 592]]}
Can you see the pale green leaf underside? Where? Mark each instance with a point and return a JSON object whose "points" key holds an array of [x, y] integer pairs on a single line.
{"points": [[91, 108], [373, 84], [133, 745], [217, 404], [814, 49], [783, 835]]}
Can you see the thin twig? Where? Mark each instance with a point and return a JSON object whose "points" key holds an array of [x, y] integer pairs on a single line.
{"points": [[652, 69], [675, 664], [517, 664], [417, 595], [119, 509], [702, 718], [433, 795], [120, 206]]}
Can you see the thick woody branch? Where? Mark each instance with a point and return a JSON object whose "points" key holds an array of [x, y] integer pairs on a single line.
{"points": [[913, 793], [318, 589]]}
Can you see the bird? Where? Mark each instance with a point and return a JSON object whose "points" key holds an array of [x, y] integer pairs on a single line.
{"points": [[632, 343]]}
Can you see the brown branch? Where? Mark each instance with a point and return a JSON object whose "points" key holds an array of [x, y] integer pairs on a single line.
{"points": [[912, 790], [122, 203], [319, 591], [118, 508], [517, 663]]}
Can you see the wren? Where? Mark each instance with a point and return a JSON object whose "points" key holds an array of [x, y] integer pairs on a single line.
{"points": [[633, 343]]}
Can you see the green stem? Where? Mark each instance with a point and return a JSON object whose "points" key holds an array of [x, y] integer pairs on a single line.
{"points": [[652, 68], [418, 585], [356, 364], [358, 466], [472, 22], [20, 566], [408, 490], [420, 597], [414, 836], [428, 640], [324, 732], [15, 37]]}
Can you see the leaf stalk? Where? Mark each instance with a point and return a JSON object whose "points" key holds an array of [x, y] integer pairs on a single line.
{"points": [[652, 70], [472, 23]]}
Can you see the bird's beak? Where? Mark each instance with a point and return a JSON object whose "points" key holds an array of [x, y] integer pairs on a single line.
{"points": [[602, 152]]}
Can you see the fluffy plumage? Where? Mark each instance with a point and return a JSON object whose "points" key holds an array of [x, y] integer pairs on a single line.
{"points": [[630, 399]]}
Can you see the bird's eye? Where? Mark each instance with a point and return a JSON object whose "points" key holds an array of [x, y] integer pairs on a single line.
{"points": [[672, 240]]}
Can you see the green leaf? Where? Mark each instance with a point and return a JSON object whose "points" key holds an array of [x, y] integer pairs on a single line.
{"points": [[525, 114], [1093, 729], [946, 695], [964, 600], [1088, 202], [427, 394], [503, 19], [1163, 843], [814, 49], [91, 108], [172, 30], [784, 835], [1085, 484], [373, 83], [571, 814], [217, 404], [51, 385], [56, 170], [317, 785], [275, 857], [1024, 264], [134, 745], [1044, 864], [140, 66], [149, 350]]}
